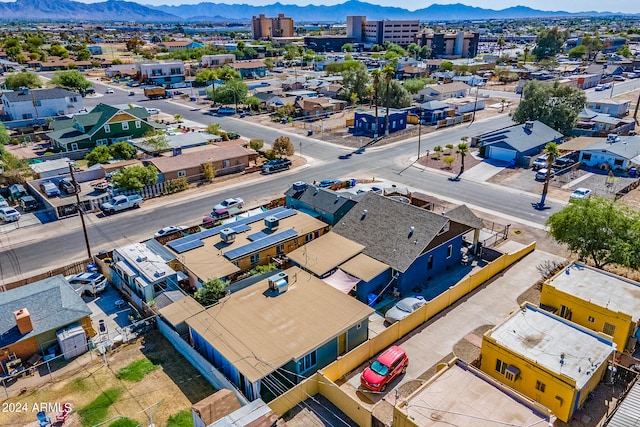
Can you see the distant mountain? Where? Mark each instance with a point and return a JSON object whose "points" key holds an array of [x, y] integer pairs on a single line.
{"points": [[339, 12], [61, 10]]}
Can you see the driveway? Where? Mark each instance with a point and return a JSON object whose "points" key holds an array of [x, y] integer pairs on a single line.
{"points": [[113, 317], [430, 343]]}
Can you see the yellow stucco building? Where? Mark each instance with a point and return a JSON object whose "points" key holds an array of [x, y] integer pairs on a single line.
{"points": [[596, 299], [546, 358]]}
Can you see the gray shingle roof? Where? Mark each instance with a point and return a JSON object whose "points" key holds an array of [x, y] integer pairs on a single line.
{"points": [[627, 147], [463, 215], [52, 304], [39, 94], [519, 138], [321, 199], [385, 229]]}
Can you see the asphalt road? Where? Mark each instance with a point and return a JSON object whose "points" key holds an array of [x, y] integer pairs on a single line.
{"points": [[42, 247]]}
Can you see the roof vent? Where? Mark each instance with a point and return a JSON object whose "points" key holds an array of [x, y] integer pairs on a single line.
{"points": [[364, 213], [228, 235], [412, 229], [279, 283], [159, 273], [141, 258], [612, 137], [528, 125], [299, 186], [272, 223]]}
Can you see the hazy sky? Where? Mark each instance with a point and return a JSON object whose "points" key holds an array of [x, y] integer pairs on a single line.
{"points": [[625, 6]]}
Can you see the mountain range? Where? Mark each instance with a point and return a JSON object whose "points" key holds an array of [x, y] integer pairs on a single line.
{"points": [[119, 10]]}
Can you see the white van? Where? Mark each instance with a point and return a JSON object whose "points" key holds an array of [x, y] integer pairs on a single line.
{"points": [[540, 162]]}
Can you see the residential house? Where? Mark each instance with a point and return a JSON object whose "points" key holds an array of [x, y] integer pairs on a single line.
{"points": [[142, 273], [103, 125], [177, 45], [626, 411], [467, 104], [450, 394], [30, 316], [547, 358], [517, 142], [228, 250], [95, 50], [593, 124], [471, 80], [189, 164], [597, 300], [178, 141], [410, 71], [433, 111], [217, 61], [294, 83], [612, 107], [121, 70], [254, 69], [51, 168], [613, 152], [161, 73], [330, 90], [318, 108], [322, 203], [250, 337], [415, 243], [586, 81], [443, 91], [365, 123], [26, 104]]}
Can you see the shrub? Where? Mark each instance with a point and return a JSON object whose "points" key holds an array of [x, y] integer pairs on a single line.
{"points": [[256, 143], [448, 160], [176, 185]]}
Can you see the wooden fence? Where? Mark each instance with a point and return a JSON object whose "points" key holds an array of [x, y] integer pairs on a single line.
{"points": [[75, 268]]}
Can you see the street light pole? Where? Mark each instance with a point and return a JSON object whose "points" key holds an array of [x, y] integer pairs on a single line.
{"points": [[419, 134]]}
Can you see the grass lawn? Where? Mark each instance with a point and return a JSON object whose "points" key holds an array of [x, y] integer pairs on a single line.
{"points": [[96, 411], [124, 422], [181, 419], [135, 371]]}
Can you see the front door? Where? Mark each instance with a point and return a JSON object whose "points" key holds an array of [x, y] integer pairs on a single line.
{"points": [[342, 344], [74, 147]]}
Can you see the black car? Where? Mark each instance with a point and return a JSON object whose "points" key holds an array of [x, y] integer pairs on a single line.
{"points": [[66, 186], [276, 165]]}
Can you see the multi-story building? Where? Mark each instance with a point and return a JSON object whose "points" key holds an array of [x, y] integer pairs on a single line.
{"points": [[449, 45], [263, 27], [161, 73], [217, 61], [26, 104], [401, 32]]}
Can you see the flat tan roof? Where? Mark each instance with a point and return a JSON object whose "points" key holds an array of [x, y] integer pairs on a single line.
{"points": [[364, 267], [578, 143], [461, 397], [208, 261], [259, 332], [325, 253], [181, 310]]}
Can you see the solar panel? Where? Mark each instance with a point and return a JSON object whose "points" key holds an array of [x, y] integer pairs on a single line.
{"points": [[187, 246], [239, 228], [257, 236], [260, 244], [285, 214]]}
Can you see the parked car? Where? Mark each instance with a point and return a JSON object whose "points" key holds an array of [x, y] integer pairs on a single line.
{"points": [[153, 110], [28, 203], [3, 202], [619, 78], [580, 193], [102, 186], [600, 88], [49, 189], [541, 175], [562, 162], [120, 203], [232, 202], [540, 162], [92, 283], [403, 308], [384, 369], [66, 185], [168, 230], [132, 93], [9, 214], [276, 165], [108, 90], [328, 183]]}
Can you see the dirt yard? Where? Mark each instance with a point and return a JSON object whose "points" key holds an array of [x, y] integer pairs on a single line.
{"points": [[171, 388]]}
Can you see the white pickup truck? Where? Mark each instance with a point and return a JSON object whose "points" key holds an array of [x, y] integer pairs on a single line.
{"points": [[121, 203]]}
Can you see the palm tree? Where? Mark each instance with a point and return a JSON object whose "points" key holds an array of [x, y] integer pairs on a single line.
{"points": [[376, 86], [552, 152], [388, 71], [526, 50], [463, 150]]}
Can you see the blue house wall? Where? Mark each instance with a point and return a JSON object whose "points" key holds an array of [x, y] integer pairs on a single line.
{"points": [[418, 274], [364, 123], [357, 335], [363, 289]]}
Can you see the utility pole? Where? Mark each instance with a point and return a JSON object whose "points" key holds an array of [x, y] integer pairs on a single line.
{"points": [[80, 211], [419, 134]]}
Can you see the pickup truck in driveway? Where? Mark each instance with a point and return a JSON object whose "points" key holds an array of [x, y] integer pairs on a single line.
{"points": [[121, 203]]}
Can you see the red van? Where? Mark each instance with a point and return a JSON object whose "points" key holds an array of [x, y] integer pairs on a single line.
{"points": [[391, 363]]}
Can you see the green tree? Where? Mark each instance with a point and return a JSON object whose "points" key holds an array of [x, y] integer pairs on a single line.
{"points": [[347, 47], [399, 96], [134, 44], [554, 105], [211, 291], [208, 172], [123, 150], [592, 45], [15, 170], [73, 80], [99, 155], [156, 141], [135, 177], [58, 50], [389, 73], [83, 54], [214, 129], [285, 111], [24, 79], [578, 52], [549, 42], [4, 136], [599, 229], [413, 50], [231, 92], [448, 160], [253, 103], [283, 146], [625, 51], [354, 81], [414, 86], [256, 144], [462, 150], [425, 52], [552, 152], [446, 66]]}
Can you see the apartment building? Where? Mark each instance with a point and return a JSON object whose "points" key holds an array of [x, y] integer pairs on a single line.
{"points": [[401, 32], [264, 28], [449, 45]]}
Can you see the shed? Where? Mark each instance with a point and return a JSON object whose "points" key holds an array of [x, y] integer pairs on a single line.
{"points": [[72, 341]]}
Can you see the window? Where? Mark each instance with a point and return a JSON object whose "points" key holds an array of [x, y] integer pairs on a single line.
{"points": [[501, 366], [586, 156], [565, 312], [107, 128], [182, 173], [138, 124], [27, 116], [590, 319], [430, 262], [618, 162], [103, 141], [226, 163], [609, 329], [307, 362], [255, 258], [308, 238], [540, 386], [38, 103], [125, 125], [449, 251], [280, 249]]}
